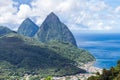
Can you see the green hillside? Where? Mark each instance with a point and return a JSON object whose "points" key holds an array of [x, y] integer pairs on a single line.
{"points": [[71, 52], [21, 55]]}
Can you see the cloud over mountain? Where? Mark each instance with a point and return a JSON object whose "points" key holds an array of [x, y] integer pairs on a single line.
{"points": [[96, 14]]}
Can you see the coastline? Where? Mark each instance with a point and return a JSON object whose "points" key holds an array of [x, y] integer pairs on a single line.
{"points": [[89, 67]]}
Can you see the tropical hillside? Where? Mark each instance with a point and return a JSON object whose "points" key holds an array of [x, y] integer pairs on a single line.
{"points": [[25, 53]]}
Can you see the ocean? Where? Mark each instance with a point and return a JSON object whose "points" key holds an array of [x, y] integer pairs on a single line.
{"points": [[104, 47]]}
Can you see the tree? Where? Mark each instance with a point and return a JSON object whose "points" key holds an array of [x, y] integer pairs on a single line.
{"points": [[48, 78], [112, 71], [118, 62], [98, 73]]}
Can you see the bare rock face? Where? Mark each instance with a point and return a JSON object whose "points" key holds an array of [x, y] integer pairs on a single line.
{"points": [[4, 30], [53, 29], [28, 28]]}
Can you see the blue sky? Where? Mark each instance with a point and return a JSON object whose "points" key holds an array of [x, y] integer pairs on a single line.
{"points": [[95, 16], [23, 1], [113, 3]]}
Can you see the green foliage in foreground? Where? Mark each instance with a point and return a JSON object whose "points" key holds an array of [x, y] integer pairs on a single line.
{"points": [[111, 74], [48, 78]]}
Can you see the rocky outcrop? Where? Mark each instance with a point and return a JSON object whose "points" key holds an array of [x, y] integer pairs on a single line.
{"points": [[53, 29], [4, 30], [28, 28]]}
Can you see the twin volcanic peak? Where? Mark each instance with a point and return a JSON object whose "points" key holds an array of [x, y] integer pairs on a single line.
{"points": [[51, 29], [4, 30], [22, 54], [28, 28]]}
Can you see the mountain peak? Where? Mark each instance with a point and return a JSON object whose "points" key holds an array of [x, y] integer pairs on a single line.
{"points": [[28, 28], [52, 14], [53, 29], [4, 30], [53, 17], [28, 19]]}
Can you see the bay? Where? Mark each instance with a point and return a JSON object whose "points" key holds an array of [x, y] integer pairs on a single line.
{"points": [[104, 47]]}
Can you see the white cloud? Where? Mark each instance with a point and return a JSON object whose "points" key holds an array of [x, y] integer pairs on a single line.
{"points": [[6, 11], [24, 11], [39, 20], [95, 14], [117, 9], [9, 13], [97, 5]]}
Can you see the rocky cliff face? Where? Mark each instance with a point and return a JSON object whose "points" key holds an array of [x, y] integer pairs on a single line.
{"points": [[28, 28], [53, 29]]}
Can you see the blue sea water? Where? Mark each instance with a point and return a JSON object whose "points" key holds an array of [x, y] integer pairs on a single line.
{"points": [[104, 47]]}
